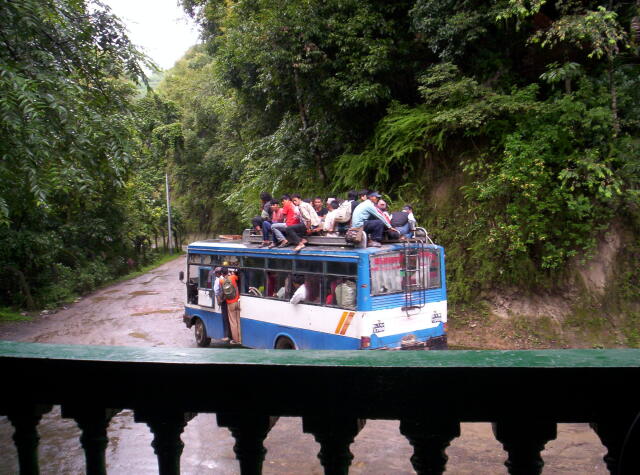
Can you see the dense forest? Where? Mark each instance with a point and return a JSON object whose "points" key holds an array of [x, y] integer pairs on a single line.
{"points": [[511, 126]]}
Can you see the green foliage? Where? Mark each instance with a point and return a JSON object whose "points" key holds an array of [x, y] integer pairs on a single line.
{"points": [[67, 144]]}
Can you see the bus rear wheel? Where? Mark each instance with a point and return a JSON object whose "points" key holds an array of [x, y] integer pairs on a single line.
{"points": [[202, 339], [284, 343]]}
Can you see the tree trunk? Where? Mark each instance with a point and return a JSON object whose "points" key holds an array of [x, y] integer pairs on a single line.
{"points": [[304, 118], [24, 287], [614, 100]]}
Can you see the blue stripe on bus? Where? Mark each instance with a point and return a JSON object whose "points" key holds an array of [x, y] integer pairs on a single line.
{"points": [[393, 341], [258, 334]]}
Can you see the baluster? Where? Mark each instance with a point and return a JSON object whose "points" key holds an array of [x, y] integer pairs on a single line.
{"points": [[335, 435], [166, 426], [25, 419], [523, 441], [93, 422], [613, 431], [249, 432], [429, 438]]}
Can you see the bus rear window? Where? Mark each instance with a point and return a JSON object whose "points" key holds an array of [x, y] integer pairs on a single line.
{"points": [[390, 272]]}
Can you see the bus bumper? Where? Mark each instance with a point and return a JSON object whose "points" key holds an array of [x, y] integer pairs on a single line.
{"points": [[435, 343]]}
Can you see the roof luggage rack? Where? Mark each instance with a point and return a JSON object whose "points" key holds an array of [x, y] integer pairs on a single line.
{"points": [[249, 236]]}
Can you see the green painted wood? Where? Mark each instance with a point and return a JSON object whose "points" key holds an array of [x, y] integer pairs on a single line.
{"points": [[615, 358]]}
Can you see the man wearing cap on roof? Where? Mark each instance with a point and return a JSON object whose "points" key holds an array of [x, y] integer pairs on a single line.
{"points": [[369, 218]]}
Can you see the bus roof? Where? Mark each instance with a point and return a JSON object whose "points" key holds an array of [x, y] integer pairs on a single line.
{"points": [[240, 247]]}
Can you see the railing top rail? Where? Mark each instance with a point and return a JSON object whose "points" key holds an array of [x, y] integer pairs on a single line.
{"points": [[570, 358]]}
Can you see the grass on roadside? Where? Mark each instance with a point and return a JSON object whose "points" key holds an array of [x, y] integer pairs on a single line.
{"points": [[60, 295], [9, 315], [162, 259]]}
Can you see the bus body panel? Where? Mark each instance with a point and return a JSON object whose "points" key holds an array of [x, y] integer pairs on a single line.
{"points": [[387, 328], [381, 319]]}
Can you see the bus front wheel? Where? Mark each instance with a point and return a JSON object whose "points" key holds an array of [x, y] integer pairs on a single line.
{"points": [[201, 333], [284, 343]]}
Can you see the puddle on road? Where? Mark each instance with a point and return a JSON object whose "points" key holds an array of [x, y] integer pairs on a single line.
{"points": [[111, 291], [101, 298], [137, 293], [149, 312], [142, 336], [150, 280]]}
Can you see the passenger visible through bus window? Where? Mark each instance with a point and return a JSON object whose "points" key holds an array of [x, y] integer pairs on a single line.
{"points": [[278, 285], [313, 284], [252, 282]]}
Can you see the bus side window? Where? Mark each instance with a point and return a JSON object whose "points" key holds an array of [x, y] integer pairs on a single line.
{"points": [[313, 284], [252, 282], [330, 284], [278, 285], [204, 281], [346, 294]]}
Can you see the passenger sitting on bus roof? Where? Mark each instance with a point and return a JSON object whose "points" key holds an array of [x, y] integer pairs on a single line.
{"points": [[289, 217], [256, 222], [359, 197], [329, 225], [301, 291], [382, 206], [318, 205], [309, 223], [275, 217], [404, 221], [367, 216]]}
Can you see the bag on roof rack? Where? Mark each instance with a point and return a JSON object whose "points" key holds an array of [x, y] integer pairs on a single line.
{"points": [[354, 235]]}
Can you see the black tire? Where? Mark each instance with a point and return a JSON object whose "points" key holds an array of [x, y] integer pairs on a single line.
{"points": [[202, 339], [284, 343]]}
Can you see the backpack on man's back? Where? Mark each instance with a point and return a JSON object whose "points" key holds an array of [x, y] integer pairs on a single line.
{"points": [[343, 213], [229, 291]]}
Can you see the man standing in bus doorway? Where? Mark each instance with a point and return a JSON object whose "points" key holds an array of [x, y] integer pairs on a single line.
{"points": [[231, 294], [217, 290]]}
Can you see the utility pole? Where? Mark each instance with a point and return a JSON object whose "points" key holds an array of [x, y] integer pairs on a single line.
{"points": [[166, 179]]}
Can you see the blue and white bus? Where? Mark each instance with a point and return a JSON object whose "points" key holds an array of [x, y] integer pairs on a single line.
{"points": [[392, 297]]}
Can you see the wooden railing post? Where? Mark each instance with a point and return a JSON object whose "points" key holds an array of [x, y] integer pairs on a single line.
{"points": [[166, 426], [334, 434], [524, 441], [249, 432], [93, 422], [429, 438], [25, 419], [618, 433]]}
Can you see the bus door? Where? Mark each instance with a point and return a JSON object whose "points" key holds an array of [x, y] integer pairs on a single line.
{"points": [[205, 290]]}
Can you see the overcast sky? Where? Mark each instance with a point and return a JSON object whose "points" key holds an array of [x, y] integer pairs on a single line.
{"points": [[159, 27]]}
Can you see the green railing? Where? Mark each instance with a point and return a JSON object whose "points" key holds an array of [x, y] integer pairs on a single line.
{"points": [[523, 393]]}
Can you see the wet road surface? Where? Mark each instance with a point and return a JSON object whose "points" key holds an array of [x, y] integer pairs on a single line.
{"points": [[147, 311]]}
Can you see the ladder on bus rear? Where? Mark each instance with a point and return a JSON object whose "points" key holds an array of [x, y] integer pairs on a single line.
{"points": [[413, 269]]}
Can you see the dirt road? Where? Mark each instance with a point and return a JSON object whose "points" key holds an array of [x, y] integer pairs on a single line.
{"points": [[147, 311]]}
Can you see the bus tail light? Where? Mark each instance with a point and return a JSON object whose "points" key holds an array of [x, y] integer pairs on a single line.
{"points": [[446, 327], [365, 342]]}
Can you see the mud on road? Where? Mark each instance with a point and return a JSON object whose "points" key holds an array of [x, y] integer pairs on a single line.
{"points": [[147, 311]]}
